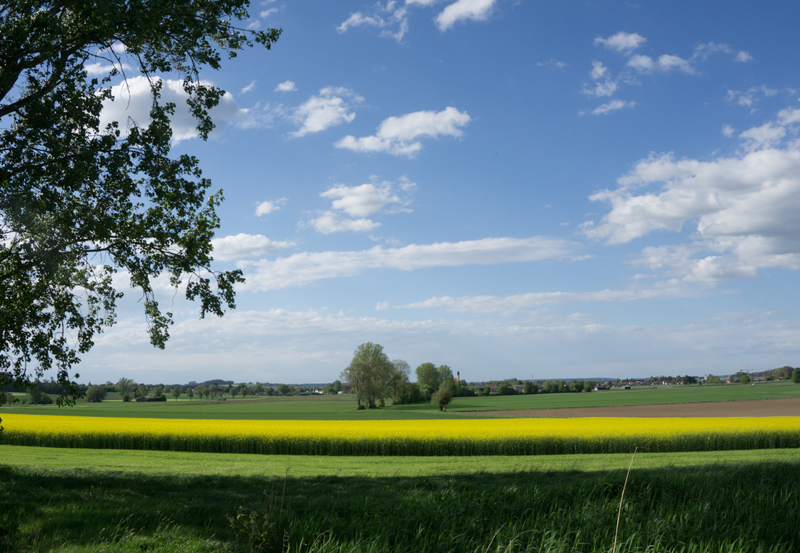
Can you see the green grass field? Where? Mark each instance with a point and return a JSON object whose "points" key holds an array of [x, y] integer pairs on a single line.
{"points": [[343, 407], [737, 502]]}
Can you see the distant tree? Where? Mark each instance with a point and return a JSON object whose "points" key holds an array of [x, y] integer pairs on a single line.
{"points": [[38, 397], [125, 386], [744, 379], [427, 378], [368, 374], [214, 390], [411, 394], [689, 380], [528, 388], [95, 394], [589, 385], [176, 392], [190, 393], [784, 373], [259, 388], [712, 379], [430, 377], [397, 380], [283, 389], [796, 376], [443, 396]]}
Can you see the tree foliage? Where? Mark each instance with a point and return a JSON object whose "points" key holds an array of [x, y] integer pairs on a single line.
{"points": [[443, 395], [80, 202], [430, 377], [371, 376]]}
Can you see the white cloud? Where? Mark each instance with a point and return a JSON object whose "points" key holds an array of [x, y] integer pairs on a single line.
{"points": [[741, 209], [728, 131], [511, 305], [391, 17], [360, 201], [248, 88], [331, 108], [132, 102], [743, 57], [603, 84], [399, 135], [98, 68], [242, 246], [553, 64], [642, 63], [313, 345], [621, 42], [668, 63], [267, 207], [286, 86], [330, 222], [750, 97], [609, 107], [703, 51], [268, 12], [463, 10], [767, 135], [304, 268]]}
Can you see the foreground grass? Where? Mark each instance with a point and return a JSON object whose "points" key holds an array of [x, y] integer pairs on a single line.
{"points": [[133, 501]]}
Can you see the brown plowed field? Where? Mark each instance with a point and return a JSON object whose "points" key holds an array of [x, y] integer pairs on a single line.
{"points": [[789, 407]]}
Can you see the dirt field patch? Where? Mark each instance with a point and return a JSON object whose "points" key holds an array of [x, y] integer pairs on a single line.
{"points": [[789, 407]]}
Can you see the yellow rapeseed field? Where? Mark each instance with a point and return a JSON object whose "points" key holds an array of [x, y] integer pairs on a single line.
{"points": [[529, 436]]}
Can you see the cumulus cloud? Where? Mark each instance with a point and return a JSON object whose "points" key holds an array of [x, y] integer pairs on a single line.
{"points": [[464, 10], [603, 85], [621, 42], [740, 208], [359, 202], [241, 246], [392, 16], [332, 107], [248, 88], [267, 207], [399, 135], [304, 268], [743, 57], [132, 102], [330, 222], [286, 86]]}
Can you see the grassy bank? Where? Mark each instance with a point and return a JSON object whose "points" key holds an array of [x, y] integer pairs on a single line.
{"points": [[133, 501]]}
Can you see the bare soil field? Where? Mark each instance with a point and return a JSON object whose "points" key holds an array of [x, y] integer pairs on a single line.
{"points": [[788, 407]]}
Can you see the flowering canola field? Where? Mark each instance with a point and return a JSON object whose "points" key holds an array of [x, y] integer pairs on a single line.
{"points": [[529, 436]]}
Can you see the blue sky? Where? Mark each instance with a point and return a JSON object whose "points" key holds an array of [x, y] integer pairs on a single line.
{"points": [[515, 189]]}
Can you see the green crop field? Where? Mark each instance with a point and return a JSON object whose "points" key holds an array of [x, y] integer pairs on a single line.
{"points": [[343, 407], [736, 502]]}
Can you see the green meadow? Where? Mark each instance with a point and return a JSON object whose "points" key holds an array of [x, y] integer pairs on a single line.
{"points": [[343, 407], [88, 500]]}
